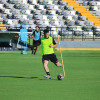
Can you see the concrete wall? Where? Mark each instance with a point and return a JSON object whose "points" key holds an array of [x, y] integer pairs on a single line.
{"points": [[80, 44]]}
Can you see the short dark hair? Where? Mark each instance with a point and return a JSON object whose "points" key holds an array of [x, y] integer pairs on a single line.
{"points": [[38, 26], [46, 31]]}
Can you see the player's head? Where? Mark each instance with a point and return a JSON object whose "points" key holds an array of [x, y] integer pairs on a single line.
{"points": [[46, 33], [37, 28]]}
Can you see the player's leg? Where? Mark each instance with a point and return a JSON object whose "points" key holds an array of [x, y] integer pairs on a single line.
{"points": [[45, 61], [33, 46], [45, 64], [54, 59], [35, 50], [36, 44], [32, 49], [58, 64]]}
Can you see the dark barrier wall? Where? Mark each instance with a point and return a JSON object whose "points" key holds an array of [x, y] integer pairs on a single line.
{"points": [[8, 39]]}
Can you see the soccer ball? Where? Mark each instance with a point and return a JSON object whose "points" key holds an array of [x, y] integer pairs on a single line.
{"points": [[60, 77]]}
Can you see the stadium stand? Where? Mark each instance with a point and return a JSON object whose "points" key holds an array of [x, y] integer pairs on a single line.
{"points": [[78, 18], [33, 9]]}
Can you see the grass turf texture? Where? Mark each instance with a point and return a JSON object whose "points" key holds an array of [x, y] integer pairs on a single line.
{"points": [[21, 77]]}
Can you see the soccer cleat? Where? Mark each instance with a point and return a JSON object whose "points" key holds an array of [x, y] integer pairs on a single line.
{"points": [[34, 53], [47, 76]]}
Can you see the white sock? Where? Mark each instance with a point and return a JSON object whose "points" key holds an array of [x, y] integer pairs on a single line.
{"points": [[60, 65]]}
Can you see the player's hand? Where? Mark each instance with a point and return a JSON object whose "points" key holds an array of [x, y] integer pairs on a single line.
{"points": [[51, 46], [33, 39]]}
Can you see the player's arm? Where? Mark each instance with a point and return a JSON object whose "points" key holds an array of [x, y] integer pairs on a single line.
{"points": [[54, 44], [33, 35], [40, 35]]}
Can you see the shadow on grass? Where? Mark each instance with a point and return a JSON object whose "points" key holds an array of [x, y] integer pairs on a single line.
{"points": [[7, 53], [47, 79], [19, 77]]}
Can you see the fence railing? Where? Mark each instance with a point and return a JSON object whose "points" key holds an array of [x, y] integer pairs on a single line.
{"points": [[70, 33], [11, 36]]}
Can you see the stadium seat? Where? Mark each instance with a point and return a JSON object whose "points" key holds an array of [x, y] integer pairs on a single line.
{"points": [[10, 22], [6, 6], [24, 17], [66, 23], [61, 8], [3, 1], [9, 16], [1, 6], [69, 17], [41, 7], [45, 12], [2, 11], [31, 7], [28, 12], [65, 13], [36, 7], [4, 16], [58, 12], [70, 8], [60, 17], [39, 2], [49, 2], [75, 18], [83, 18], [34, 2], [30, 22], [61, 23], [65, 18], [25, 22], [71, 23], [56, 7], [48, 12], [98, 3], [44, 17], [53, 12], [81, 23], [38, 12], [55, 2], [91, 3], [30, 17], [93, 8], [78, 33], [10, 49], [72, 12], [4, 49], [45, 2], [46, 23], [23, 1], [86, 28], [61, 2]]}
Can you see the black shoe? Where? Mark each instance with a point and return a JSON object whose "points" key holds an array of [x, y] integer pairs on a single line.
{"points": [[34, 53]]}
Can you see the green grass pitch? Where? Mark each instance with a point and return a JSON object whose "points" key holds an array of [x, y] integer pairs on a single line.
{"points": [[21, 77]]}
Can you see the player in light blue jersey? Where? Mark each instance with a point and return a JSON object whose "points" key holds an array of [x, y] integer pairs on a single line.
{"points": [[36, 35]]}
